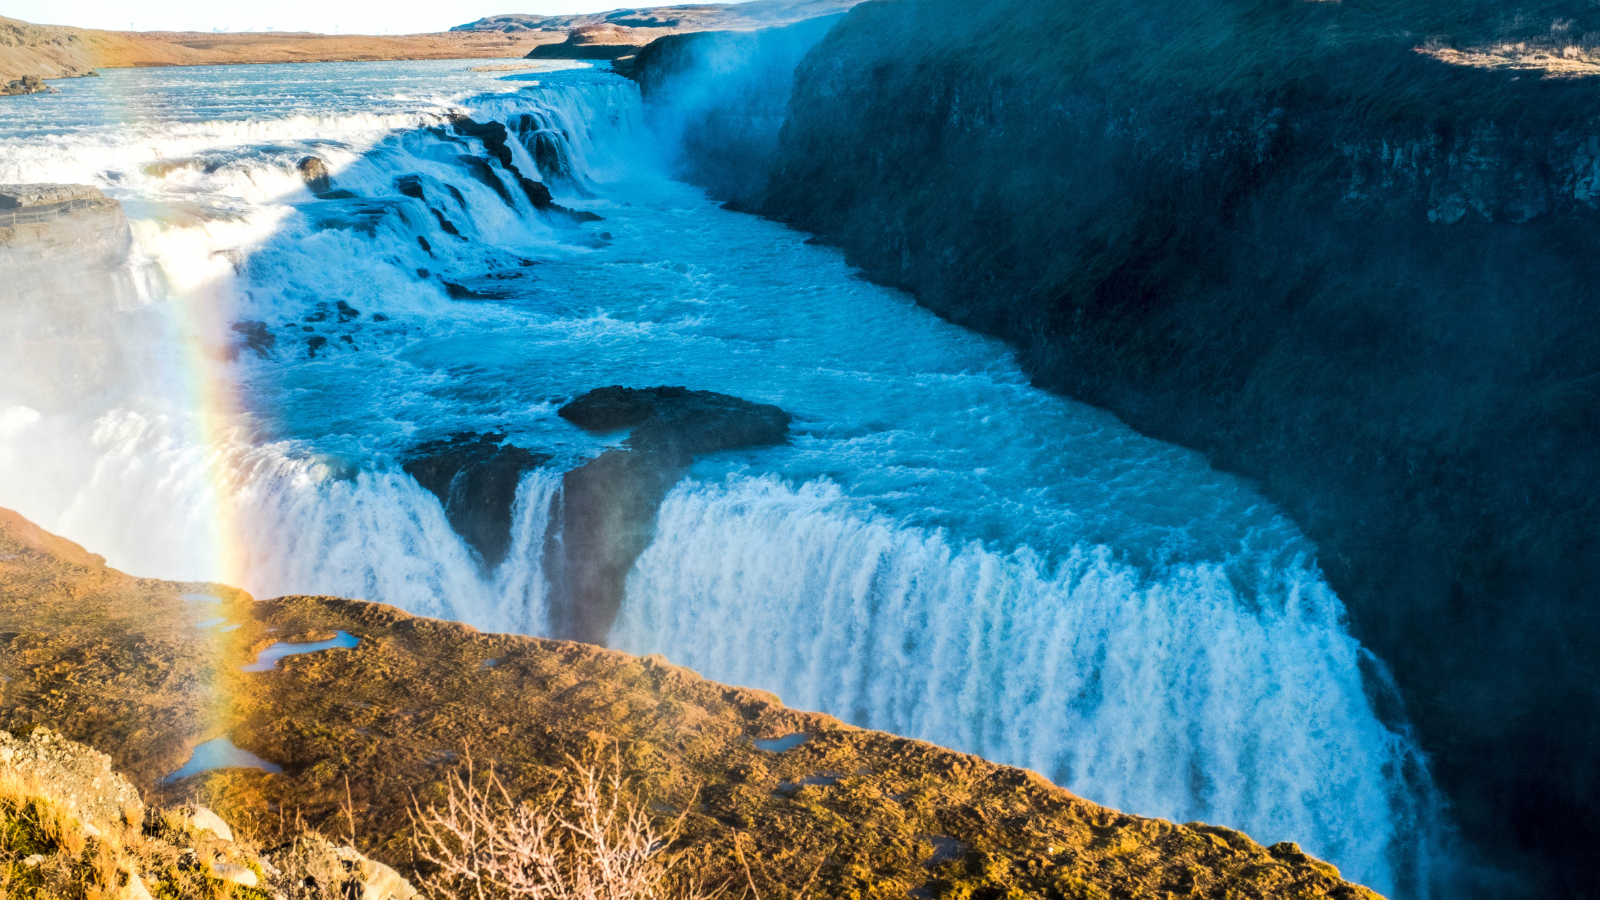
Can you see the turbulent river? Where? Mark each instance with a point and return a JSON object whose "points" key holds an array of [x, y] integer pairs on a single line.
{"points": [[941, 550]]}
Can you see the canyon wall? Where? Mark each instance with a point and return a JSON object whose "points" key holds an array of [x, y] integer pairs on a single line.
{"points": [[1346, 250]]}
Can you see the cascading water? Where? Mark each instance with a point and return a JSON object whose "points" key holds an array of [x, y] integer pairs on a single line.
{"points": [[941, 550]]}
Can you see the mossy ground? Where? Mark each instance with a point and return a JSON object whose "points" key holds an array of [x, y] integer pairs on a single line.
{"points": [[362, 734]]}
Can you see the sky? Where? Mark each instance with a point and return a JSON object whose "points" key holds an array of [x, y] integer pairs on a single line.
{"points": [[328, 16]]}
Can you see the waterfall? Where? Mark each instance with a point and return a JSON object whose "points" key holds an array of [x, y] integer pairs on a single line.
{"points": [[1170, 692], [942, 552]]}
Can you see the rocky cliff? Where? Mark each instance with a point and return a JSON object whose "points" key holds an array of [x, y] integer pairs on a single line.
{"points": [[64, 274], [1346, 249], [786, 802]]}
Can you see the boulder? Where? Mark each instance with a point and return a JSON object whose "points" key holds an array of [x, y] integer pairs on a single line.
{"points": [[475, 477], [314, 172], [23, 196], [203, 819], [608, 506], [232, 873], [254, 335], [677, 421], [72, 775], [317, 869]]}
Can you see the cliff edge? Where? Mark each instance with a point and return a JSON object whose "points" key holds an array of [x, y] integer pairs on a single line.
{"points": [[394, 705]]}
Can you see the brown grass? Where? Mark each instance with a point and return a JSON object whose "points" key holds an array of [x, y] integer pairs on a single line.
{"points": [[586, 839]]}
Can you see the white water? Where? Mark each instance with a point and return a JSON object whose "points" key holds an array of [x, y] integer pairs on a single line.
{"points": [[942, 551]]}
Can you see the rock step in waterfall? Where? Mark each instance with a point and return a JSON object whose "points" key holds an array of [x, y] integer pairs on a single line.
{"points": [[604, 516]]}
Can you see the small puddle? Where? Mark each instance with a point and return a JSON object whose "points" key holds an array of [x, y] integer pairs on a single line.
{"points": [[779, 745], [268, 660], [945, 849], [220, 754], [490, 663]]}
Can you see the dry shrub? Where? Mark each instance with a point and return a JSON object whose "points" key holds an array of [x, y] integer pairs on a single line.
{"points": [[584, 840]]}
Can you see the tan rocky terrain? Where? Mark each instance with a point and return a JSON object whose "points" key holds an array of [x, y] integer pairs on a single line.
{"points": [[55, 51], [135, 668]]}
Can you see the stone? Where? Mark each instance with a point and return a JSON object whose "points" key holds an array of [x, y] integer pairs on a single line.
{"points": [[235, 874], [72, 775], [678, 421], [608, 506], [255, 336], [475, 477], [326, 871], [22, 196], [134, 889], [203, 819], [314, 172]]}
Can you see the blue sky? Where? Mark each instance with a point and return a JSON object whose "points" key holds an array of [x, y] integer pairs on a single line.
{"points": [[330, 16]]}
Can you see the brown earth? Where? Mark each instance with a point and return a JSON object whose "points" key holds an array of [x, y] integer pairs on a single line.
{"points": [[55, 51], [123, 665]]}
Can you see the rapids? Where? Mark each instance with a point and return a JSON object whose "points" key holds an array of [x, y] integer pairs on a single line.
{"points": [[941, 551]]}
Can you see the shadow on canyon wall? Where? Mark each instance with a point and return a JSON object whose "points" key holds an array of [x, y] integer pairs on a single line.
{"points": [[1345, 249]]}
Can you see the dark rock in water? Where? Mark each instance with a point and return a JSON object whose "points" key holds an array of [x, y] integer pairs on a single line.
{"points": [[314, 172], [423, 273], [608, 514], [481, 171], [462, 292], [475, 477], [445, 225], [338, 194], [380, 317], [608, 507], [255, 336], [677, 421], [346, 311], [315, 344], [495, 137], [423, 243], [411, 186]]}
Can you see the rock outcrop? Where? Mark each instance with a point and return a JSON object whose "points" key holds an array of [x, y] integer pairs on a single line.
{"points": [[64, 253], [72, 776], [771, 798], [604, 41], [608, 506], [475, 477], [27, 84], [1294, 237]]}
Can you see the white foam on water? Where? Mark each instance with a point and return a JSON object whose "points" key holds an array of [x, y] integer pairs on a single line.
{"points": [[942, 551]]}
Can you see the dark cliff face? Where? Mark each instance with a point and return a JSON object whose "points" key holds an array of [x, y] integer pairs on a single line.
{"points": [[1281, 234], [723, 100]]}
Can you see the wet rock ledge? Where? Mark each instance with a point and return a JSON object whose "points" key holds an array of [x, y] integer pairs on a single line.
{"points": [[124, 666]]}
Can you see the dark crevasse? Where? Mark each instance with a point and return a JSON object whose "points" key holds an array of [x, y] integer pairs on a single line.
{"points": [[1281, 234]]}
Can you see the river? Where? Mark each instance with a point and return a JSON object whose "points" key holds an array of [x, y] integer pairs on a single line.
{"points": [[941, 550]]}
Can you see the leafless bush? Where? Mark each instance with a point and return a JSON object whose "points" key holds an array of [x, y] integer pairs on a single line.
{"points": [[585, 840]]}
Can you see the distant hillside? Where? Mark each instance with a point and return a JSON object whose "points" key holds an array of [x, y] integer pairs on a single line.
{"points": [[55, 51], [663, 20]]}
